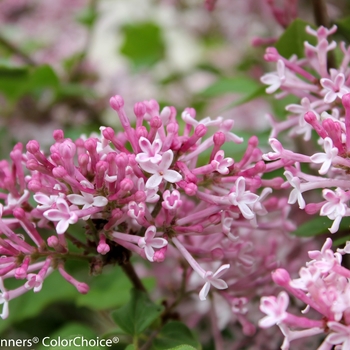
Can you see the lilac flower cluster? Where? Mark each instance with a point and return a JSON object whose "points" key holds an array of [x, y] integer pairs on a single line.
{"points": [[323, 286], [141, 190], [325, 108]]}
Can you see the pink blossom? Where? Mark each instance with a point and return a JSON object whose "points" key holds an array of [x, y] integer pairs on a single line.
{"points": [[62, 214], [161, 171], [274, 308], [149, 242]]}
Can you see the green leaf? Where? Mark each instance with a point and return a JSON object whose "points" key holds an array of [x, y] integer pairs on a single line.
{"points": [[183, 347], [292, 40], [55, 289], [319, 225], [130, 347], [15, 83], [67, 332], [230, 85], [143, 44], [87, 16], [115, 288], [138, 314], [174, 335], [343, 25]]}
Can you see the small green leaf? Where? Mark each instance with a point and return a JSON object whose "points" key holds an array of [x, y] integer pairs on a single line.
{"points": [[319, 225], [138, 314], [115, 288], [130, 347], [230, 85], [67, 331], [292, 40], [87, 16], [143, 44], [343, 25], [174, 335], [183, 347]]}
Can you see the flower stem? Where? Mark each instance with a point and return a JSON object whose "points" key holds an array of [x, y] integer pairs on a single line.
{"points": [[133, 277]]}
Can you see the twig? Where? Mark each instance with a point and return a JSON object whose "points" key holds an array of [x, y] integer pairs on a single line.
{"points": [[16, 50], [133, 277], [322, 19]]}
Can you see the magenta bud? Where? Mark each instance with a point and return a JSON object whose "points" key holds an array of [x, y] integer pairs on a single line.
{"points": [[19, 213], [59, 172], [200, 130], [310, 117], [58, 135], [126, 185], [83, 159], [32, 164], [116, 102], [34, 186], [253, 141], [33, 146], [122, 160], [141, 131], [281, 277], [139, 109], [155, 122], [140, 196], [91, 144], [67, 149], [346, 101], [271, 54], [82, 288], [101, 167], [219, 138], [103, 248], [52, 242], [191, 189], [172, 128], [217, 254], [108, 133]]}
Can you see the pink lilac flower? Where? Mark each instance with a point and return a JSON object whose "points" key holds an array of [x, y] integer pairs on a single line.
{"points": [[323, 285]]}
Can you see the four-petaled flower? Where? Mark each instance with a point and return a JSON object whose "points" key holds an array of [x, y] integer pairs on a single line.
{"points": [[296, 194], [62, 214], [327, 157], [221, 164], [274, 308], [34, 281], [243, 199], [274, 79], [340, 335], [334, 88], [213, 279], [87, 200], [150, 151], [161, 171], [149, 242], [335, 208]]}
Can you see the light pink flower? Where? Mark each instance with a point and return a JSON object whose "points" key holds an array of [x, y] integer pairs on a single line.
{"points": [[161, 171], [274, 308], [243, 199], [150, 151], [327, 157], [213, 279], [62, 214], [149, 242]]}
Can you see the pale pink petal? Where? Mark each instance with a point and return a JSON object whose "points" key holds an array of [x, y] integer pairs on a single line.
{"points": [[171, 176], [204, 291]]}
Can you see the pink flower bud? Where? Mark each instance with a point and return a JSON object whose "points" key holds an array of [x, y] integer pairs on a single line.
{"points": [[116, 102], [58, 135], [139, 109]]}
